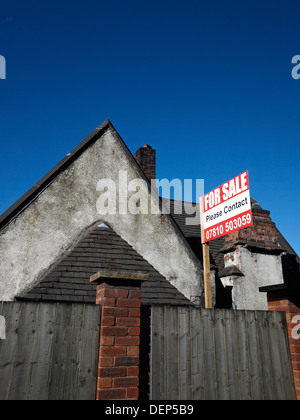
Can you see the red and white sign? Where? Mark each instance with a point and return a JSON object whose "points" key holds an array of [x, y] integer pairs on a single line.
{"points": [[226, 209]]}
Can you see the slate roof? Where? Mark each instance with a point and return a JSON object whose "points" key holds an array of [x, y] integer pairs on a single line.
{"points": [[181, 213], [100, 248]]}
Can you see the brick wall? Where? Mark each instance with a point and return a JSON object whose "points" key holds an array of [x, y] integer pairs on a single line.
{"points": [[288, 301], [146, 158], [118, 373]]}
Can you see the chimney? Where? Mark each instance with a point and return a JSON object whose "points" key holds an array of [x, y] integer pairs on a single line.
{"points": [[146, 158], [263, 233]]}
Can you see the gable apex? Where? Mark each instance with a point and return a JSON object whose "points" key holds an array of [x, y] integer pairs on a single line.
{"points": [[30, 195], [44, 223]]}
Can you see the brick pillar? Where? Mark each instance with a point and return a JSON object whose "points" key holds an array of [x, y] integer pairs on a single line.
{"points": [[282, 298], [118, 372]]}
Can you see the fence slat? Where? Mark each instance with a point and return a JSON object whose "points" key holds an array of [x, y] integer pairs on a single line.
{"points": [[87, 380], [221, 362], [231, 355], [73, 367], [263, 326], [278, 388], [255, 362], [9, 347], [171, 373], [43, 351], [185, 355], [197, 355], [210, 384], [157, 388], [23, 361], [283, 355], [243, 355]]}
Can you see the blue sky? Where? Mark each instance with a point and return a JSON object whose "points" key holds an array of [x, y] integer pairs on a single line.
{"points": [[206, 83]]}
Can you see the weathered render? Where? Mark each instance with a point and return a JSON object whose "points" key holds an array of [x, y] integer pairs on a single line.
{"points": [[257, 270], [64, 206]]}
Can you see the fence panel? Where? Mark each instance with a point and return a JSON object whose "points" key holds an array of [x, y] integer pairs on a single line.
{"points": [[50, 351], [200, 354]]}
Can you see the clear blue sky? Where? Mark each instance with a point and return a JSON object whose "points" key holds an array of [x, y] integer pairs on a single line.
{"points": [[206, 83]]}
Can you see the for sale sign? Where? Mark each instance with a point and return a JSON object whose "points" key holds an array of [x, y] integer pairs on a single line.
{"points": [[226, 209]]}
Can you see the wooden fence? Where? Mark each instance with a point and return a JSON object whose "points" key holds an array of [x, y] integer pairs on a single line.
{"points": [[50, 351], [199, 354]]}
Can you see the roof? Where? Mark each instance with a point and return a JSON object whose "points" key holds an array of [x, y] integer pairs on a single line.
{"points": [[187, 218], [100, 249]]}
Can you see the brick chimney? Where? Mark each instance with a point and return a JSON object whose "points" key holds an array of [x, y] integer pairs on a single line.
{"points": [[146, 158], [262, 234]]}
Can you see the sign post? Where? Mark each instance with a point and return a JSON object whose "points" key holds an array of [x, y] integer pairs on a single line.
{"points": [[207, 279], [222, 211], [206, 263]]}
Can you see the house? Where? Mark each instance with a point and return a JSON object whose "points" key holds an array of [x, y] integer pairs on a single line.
{"points": [[94, 231], [55, 238]]}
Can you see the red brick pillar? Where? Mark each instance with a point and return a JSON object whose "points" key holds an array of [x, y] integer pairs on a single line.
{"points": [[281, 298], [118, 372]]}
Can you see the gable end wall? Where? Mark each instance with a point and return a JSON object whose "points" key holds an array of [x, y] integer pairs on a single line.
{"points": [[42, 232]]}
